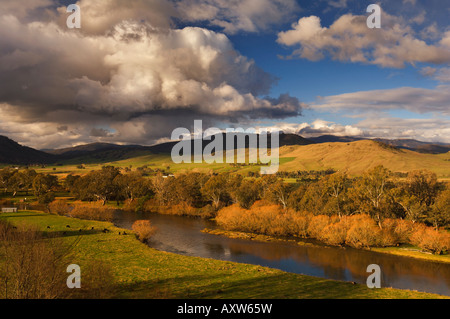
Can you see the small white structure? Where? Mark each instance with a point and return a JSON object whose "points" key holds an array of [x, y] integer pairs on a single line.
{"points": [[9, 210]]}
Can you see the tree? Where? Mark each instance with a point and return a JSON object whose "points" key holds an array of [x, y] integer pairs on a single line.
{"points": [[160, 189], [188, 189], [98, 185], [373, 188], [247, 193], [5, 175], [278, 193], [215, 189], [70, 180], [133, 185], [233, 187], [296, 197], [423, 184], [440, 214], [411, 205], [336, 185], [43, 184], [17, 182]]}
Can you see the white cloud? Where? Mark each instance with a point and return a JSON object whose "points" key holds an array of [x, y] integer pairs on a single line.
{"points": [[349, 39], [418, 100], [238, 15]]}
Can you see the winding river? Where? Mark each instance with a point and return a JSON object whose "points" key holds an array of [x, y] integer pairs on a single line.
{"points": [[182, 235]]}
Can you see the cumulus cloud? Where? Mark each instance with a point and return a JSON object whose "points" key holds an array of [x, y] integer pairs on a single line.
{"points": [[349, 39], [231, 16], [318, 128], [238, 15], [137, 80]]}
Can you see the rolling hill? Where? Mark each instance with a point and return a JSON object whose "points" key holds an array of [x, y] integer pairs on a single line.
{"points": [[357, 157], [102, 152], [296, 153], [13, 153], [409, 144]]}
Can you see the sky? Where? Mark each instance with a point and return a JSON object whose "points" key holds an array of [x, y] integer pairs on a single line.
{"points": [[138, 69]]}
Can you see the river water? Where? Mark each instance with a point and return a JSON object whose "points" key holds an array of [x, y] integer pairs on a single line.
{"points": [[182, 235]]}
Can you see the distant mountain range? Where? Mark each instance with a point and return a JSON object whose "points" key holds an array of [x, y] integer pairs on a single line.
{"points": [[13, 153]]}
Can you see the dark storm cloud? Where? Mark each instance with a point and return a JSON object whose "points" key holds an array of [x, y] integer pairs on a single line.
{"points": [[137, 76]]}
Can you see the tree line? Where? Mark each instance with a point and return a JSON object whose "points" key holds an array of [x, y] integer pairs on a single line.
{"points": [[378, 193]]}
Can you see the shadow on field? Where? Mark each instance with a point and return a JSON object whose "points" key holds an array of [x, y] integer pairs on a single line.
{"points": [[71, 233], [226, 286]]}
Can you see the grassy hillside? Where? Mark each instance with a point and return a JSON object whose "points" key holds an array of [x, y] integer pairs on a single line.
{"points": [[357, 157], [142, 272], [354, 157]]}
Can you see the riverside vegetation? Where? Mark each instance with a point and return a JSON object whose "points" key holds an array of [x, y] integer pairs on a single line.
{"points": [[376, 209]]}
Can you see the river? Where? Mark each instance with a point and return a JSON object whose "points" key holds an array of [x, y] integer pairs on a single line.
{"points": [[182, 235]]}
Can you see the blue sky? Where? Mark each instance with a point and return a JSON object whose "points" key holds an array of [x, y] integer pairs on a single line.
{"points": [[307, 79]]}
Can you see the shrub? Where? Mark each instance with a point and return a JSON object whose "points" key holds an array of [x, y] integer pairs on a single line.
{"points": [[388, 237], [300, 225], [336, 233], [364, 233], [59, 207], [317, 225], [94, 211], [144, 230], [403, 230], [130, 205], [32, 267], [430, 240]]}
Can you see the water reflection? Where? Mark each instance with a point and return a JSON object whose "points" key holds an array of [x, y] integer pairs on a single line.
{"points": [[183, 236]]}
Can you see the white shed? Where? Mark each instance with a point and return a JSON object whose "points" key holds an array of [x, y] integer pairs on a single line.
{"points": [[9, 210]]}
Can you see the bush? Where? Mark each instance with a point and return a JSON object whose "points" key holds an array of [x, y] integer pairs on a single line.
{"points": [[403, 231], [359, 231], [364, 233], [336, 233], [144, 230], [94, 211], [300, 225], [317, 225], [430, 240], [59, 207], [388, 237], [32, 267]]}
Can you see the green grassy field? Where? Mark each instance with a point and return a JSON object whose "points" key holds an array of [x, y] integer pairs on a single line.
{"points": [[142, 272]]}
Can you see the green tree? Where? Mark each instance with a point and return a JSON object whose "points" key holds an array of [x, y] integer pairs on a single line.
{"points": [[336, 186], [440, 214], [373, 188], [43, 184], [423, 185], [279, 193], [215, 189], [248, 193], [5, 175]]}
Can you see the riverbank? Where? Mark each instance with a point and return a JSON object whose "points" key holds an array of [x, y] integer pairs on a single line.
{"points": [[404, 251], [141, 272]]}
